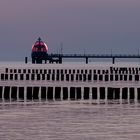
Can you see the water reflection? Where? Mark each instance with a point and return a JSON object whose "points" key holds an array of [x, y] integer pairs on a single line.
{"points": [[55, 120], [73, 102]]}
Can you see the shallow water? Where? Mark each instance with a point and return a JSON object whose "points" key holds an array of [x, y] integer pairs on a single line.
{"points": [[71, 120]]}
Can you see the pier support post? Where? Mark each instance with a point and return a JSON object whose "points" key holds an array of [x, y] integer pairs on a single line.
{"points": [[50, 95], [14, 93], [78, 93], [86, 60], [102, 93], [72, 93], [26, 60], [7, 92], [35, 93], [43, 95], [57, 93], [29, 93], [94, 93], [86, 93], [82, 93], [1, 91], [60, 60], [22, 93], [65, 93], [33, 61], [113, 60]]}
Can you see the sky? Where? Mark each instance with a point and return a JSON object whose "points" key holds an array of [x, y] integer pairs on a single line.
{"points": [[82, 26]]}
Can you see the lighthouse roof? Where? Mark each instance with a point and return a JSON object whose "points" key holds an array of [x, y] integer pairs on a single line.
{"points": [[39, 45]]}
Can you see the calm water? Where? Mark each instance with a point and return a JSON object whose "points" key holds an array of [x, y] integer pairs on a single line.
{"points": [[69, 121]]}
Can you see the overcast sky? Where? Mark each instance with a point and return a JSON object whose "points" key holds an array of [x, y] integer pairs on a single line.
{"points": [[90, 26]]}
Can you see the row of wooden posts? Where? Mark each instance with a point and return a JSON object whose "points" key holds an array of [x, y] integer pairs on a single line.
{"points": [[110, 70], [70, 77], [68, 93]]}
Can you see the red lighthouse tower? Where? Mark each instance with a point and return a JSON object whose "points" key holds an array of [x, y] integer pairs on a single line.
{"points": [[39, 51]]}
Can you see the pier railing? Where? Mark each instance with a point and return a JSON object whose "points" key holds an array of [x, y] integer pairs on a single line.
{"points": [[95, 55]]}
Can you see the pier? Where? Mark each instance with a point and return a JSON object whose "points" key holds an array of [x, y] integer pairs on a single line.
{"points": [[58, 58], [40, 55]]}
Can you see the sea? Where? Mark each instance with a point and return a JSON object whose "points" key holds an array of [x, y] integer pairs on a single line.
{"points": [[69, 120]]}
